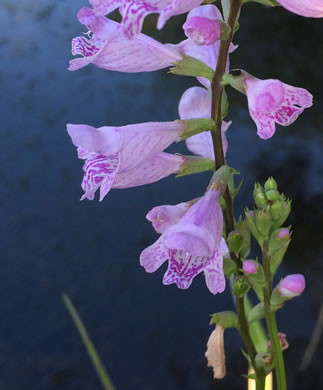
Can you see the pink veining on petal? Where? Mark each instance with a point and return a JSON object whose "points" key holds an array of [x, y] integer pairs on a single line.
{"points": [[99, 171], [133, 15], [154, 256], [271, 101], [183, 267], [149, 171], [84, 46], [104, 7]]}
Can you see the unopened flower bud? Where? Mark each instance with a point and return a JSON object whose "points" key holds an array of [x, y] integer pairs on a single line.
{"points": [[255, 276], [251, 222], [276, 210], [272, 195], [250, 267], [263, 222], [235, 242], [289, 287], [278, 239], [259, 196], [215, 352], [270, 184]]}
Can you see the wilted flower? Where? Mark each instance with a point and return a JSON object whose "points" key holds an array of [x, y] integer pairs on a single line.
{"points": [[215, 352]]}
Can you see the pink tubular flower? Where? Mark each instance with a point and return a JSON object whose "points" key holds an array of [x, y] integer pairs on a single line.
{"points": [[134, 11], [196, 103], [309, 8], [271, 101], [127, 156], [190, 241], [291, 285], [202, 25], [109, 48]]}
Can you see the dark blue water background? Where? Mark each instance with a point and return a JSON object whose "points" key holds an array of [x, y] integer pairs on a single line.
{"points": [[149, 336]]}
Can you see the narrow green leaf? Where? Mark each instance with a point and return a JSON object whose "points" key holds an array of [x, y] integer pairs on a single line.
{"points": [[105, 380]]}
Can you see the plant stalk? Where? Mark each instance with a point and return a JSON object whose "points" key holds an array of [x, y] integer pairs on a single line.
{"points": [[217, 90], [270, 316]]}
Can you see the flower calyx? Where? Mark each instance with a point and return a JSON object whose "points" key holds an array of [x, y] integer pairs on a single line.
{"points": [[190, 66]]}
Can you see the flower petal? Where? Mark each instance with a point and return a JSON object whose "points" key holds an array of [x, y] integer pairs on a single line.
{"points": [[294, 103], [202, 24], [133, 15], [117, 52], [103, 140], [104, 7], [214, 276], [195, 103], [183, 267], [149, 171], [154, 256], [99, 171], [309, 8], [163, 217], [176, 7], [199, 232]]}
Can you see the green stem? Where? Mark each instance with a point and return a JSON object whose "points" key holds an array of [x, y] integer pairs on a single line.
{"points": [[272, 325], [217, 90]]}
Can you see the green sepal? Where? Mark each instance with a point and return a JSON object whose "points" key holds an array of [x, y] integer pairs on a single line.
{"points": [[245, 354], [251, 221], [240, 286], [224, 104], [195, 126], [268, 3], [229, 266], [243, 228], [276, 243], [256, 313], [236, 77], [235, 242], [250, 376], [259, 196], [194, 164], [225, 30], [222, 177], [270, 184], [277, 256], [237, 189], [190, 66], [265, 361], [226, 319], [272, 195], [263, 222]]}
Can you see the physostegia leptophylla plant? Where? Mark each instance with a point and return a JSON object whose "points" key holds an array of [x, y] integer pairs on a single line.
{"points": [[199, 235]]}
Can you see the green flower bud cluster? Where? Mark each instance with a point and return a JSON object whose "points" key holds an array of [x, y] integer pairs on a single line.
{"points": [[272, 210]]}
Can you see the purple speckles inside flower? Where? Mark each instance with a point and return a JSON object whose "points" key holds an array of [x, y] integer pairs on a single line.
{"points": [[191, 243], [271, 101]]}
